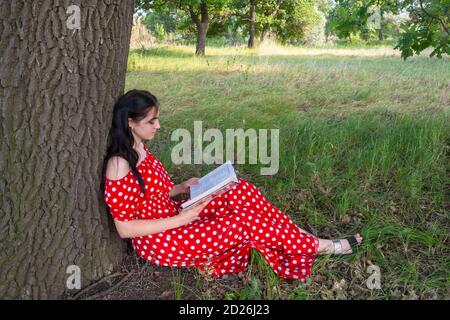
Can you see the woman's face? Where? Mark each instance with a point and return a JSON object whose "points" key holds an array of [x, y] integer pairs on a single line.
{"points": [[147, 127]]}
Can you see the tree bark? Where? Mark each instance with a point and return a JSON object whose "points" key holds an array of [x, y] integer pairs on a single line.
{"points": [[380, 31], [264, 32], [202, 30], [202, 24], [380, 34], [57, 88], [252, 22]]}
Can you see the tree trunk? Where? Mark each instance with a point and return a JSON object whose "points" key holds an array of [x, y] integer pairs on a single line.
{"points": [[252, 21], [202, 24], [380, 34], [265, 32], [380, 31], [57, 88], [202, 30], [266, 28]]}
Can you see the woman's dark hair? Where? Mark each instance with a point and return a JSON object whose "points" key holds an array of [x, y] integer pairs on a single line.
{"points": [[134, 104]]}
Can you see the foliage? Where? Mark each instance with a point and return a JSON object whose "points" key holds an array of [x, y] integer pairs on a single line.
{"points": [[415, 24], [428, 24], [429, 28], [294, 21], [289, 20], [195, 16], [165, 18]]}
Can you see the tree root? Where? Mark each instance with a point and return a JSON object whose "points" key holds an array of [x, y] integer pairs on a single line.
{"points": [[80, 293]]}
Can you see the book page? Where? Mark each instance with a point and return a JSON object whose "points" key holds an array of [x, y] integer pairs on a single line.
{"points": [[215, 177]]}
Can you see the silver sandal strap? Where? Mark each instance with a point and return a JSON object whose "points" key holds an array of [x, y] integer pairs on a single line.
{"points": [[337, 246]]}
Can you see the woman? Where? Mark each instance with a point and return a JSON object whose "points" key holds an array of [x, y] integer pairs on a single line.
{"points": [[215, 236]]}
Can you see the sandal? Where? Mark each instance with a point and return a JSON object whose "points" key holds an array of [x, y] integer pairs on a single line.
{"points": [[338, 246]]}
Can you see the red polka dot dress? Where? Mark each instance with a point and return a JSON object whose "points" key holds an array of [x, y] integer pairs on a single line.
{"points": [[218, 243]]}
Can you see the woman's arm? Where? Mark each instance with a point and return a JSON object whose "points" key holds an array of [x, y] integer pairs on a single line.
{"points": [[139, 228]]}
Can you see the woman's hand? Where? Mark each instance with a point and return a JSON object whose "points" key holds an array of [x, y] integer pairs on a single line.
{"points": [[192, 213], [184, 186]]}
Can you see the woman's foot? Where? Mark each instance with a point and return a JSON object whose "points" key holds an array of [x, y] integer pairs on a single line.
{"points": [[338, 247]]}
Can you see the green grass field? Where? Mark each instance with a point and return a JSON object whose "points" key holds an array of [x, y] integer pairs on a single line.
{"points": [[364, 147]]}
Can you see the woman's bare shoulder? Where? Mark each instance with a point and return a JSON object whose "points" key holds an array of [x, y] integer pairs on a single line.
{"points": [[117, 168]]}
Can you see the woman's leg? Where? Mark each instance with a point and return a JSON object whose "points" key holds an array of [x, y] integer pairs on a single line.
{"points": [[286, 248], [243, 219], [248, 196], [326, 246]]}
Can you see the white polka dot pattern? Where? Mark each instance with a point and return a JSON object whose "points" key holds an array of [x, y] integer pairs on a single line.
{"points": [[232, 224]]}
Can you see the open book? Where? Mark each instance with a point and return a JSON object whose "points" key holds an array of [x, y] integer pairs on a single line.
{"points": [[216, 182]]}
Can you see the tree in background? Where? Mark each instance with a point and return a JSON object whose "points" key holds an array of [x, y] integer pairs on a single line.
{"points": [[244, 12], [294, 20], [252, 24], [289, 20], [316, 34], [201, 13], [161, 23], [301, 21], [428, 25]]}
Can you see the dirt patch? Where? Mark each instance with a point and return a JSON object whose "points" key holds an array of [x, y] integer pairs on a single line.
{"points": [[136, 279]]}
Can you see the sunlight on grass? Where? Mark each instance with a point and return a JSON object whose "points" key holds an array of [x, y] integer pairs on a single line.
{"points": [[363, 148]]}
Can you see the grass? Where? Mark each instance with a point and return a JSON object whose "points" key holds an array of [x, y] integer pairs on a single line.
{"points": [[178, 282], [364, 147]]}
